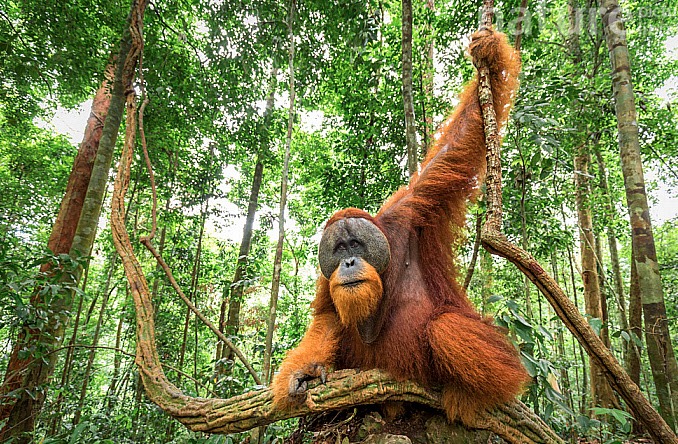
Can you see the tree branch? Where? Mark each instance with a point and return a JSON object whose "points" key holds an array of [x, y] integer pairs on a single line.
{"points": [[222, 337], [514, 421], [495, 242]]}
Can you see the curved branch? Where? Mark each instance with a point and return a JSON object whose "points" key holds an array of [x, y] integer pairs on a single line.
{"points": [[514, 421], [146, 241], [496, 243]]}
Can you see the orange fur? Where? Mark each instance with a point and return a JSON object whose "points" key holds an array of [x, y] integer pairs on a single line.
{"points": [[431, 333], [349, 212], [480, 377], [355, 304], [317, 349]]}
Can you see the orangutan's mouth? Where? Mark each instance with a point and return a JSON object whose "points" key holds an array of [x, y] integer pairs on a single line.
{"points": [[352, 283]]}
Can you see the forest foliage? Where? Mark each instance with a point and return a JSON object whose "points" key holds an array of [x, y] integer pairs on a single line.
{"points": [[207, 70]]}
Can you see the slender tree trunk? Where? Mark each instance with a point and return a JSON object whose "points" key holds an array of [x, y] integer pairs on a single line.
{"points": [[574, 31], [519, 24], [428, 73], [236, 289], [184, 343], [487, 270], [161, 250], [659, 345], [635, 325], [601, 392], [408, 100], [192, 295], [138, 395], [95, 341], [66, 371], [527, 285], [117, 360], [476, 247], [122, 389], [566, 288], [614, 255], [600, 270], [195, 274], [277, 262], [560, 343], [633, 363], [583, 407], [21, 420]]}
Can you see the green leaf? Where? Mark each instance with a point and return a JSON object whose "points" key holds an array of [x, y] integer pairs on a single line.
{"points": [[626, 336], [596, 324], [521, 319], [76, 433], [620, 416], [530, 363], [525, 333], [637, 340], [544, 366], [557, 399], [501, 322], [530, 367], [545, 332], [494, 298]]}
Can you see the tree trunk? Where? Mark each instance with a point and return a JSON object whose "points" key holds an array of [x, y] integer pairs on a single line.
{"points": [[95, 340], [191, 295], [583, 407], [277, 261], [582, 389], [600, 270], [560, 343], [63, 231], [236, 289], [161, 250], [408, 100], [633, 364], [527, 285], [138, 395], [428, 74], [601, 392], [519, 24], [614, 256], [117, 360], [487, 270], [635, 325], [21, 420], [476, 247], [659, 345], [55, 423], [195, 276]]}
